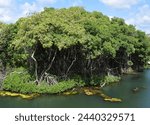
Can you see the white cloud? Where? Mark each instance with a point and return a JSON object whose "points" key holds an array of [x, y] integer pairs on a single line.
{"points": [[29, 8], [120, 3], [36, 6], [5, 3], [46, 1], [11, 10], [4, 15], [7, 10], [141, 19]]}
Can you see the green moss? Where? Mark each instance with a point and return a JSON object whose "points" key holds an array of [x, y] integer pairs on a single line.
{"points": [[70, 92], [24, 96], [113, 99]]}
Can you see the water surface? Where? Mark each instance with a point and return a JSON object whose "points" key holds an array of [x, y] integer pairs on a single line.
{"points": [[122, 90]]}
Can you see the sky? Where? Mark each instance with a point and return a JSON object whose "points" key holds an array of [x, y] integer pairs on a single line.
{"points": [[135, 12]]}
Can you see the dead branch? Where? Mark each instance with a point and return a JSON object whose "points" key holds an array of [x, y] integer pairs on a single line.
{"points": [[72, 63], [36, 66]]}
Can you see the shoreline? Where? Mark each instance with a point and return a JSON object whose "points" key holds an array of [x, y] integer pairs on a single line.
{"points": [[14, 94], [89, 91]]}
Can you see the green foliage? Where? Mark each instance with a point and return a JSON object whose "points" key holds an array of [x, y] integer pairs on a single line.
{"points": [[57, 88], [17, 80], [20, 81], [65, 42], [111, 79], [96, 80], [79, 81], [97, 35]]}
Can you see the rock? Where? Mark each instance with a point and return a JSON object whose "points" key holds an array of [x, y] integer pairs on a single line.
{"points": [[135, 89]]}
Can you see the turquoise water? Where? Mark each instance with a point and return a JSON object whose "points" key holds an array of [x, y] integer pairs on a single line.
{"points": [[122, 90]]}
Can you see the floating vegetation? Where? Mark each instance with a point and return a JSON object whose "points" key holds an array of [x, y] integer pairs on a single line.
{"points": [[70, 93], [113, 99], [13, 94], [89, 91]]}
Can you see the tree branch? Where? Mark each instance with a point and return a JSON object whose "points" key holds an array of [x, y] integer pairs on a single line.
{"points": [[103, 85], [72, 63], [36, 65], [49, 66]]}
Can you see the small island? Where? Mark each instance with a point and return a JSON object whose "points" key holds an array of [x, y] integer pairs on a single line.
{"points": [[59, 50]]}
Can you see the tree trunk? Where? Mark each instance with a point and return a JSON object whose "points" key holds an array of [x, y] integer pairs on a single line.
{"points": [[48, 68]]}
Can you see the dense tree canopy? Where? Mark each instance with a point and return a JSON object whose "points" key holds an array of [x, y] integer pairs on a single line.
{"points": [[68, 42]]}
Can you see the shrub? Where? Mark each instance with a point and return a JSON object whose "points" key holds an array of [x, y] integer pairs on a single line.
{"points": [[96, 80], [111, 79], [57, 88], [16, 80], [20, 81], [79, 81]]}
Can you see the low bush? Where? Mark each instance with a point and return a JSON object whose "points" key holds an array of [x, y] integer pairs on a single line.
{"points": [[16, 80], [20, 81], [57, 88], [79, 81], [111, 79], [96, 80]]}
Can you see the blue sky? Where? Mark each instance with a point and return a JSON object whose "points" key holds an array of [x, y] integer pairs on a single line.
{"points": [[136, 12]]}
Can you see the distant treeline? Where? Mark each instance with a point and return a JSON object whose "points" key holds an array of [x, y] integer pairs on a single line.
{"points": [[68, 42]]}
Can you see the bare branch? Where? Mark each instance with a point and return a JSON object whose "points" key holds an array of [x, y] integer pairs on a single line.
{"points": [[72, 63], [36, 66], [50, 65], [103, 85]]}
